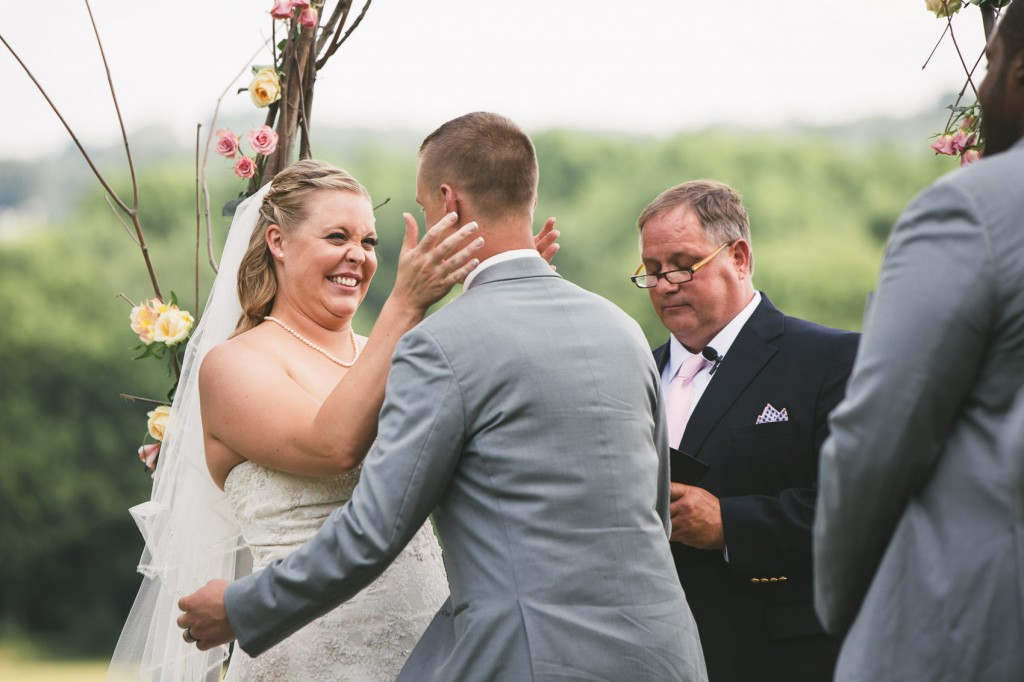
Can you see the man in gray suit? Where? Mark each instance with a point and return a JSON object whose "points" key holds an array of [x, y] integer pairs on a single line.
{"points": [[917, 547], [525, 417]]}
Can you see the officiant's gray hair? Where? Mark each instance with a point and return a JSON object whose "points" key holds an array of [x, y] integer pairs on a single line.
{"points": [[286, 205], [718, 207]]}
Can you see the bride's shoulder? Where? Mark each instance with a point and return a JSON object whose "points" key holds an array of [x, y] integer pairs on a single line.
{"points": [[241, 354]]}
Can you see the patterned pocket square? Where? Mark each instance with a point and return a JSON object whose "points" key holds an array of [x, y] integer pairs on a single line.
{"points": [[769, 414]]}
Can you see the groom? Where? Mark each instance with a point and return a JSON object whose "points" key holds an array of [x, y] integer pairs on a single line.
{"points": [[525, 417]]}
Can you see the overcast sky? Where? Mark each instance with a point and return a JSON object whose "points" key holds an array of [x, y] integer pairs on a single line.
{"points": [[646, 66]]}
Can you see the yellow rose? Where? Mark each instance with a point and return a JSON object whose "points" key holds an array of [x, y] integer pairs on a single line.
{"points": [[942, 8], [265, 88], [172, 327], [157, 423]]}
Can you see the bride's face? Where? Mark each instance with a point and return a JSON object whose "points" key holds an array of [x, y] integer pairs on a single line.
{"points": [[329, 259]]}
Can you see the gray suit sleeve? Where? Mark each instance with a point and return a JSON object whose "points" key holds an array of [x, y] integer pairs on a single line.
{"points": [[923, 339], [418, 446], [664, 463]]}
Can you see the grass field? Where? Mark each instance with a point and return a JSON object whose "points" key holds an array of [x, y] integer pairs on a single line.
{"points": [[15, 667]]}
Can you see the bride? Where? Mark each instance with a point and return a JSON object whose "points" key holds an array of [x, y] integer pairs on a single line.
{"points": [[288, 410]]}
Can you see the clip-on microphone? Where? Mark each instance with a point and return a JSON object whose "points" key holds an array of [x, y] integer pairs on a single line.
{"points": [[712, 355]]}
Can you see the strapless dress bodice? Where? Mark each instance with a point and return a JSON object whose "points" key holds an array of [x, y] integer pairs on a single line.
{"points": [[277, 511]]}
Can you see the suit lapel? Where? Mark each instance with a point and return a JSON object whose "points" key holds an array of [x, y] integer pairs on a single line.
{"points": [[661, 354], [749, 353]]}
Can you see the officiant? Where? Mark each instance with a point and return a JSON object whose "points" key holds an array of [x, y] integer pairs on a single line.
{"points": [[747, 392]]}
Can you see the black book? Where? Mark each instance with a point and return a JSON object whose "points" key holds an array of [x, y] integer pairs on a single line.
{"points": [[686, 468]]}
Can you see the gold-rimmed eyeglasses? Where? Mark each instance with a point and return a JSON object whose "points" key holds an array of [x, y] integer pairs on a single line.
{"points": [[644, 280]]}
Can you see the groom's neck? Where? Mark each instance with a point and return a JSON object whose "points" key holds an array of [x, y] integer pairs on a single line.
{"points": [[506, 234]]}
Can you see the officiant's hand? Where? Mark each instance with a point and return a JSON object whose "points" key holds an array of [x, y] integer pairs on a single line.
{"points": [[205, 619], [696, 517]]}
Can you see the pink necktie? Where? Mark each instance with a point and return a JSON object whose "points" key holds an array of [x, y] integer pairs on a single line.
{"points": [[679, 401]]}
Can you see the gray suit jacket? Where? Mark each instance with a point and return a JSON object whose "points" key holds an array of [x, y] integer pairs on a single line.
{"points": [[917, 549], [525, 417]]}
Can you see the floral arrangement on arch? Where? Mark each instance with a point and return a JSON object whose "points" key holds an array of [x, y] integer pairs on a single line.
{"points": [[962, 137], [305, 35]]}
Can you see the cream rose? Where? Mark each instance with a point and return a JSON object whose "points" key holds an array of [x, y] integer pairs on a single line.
{"points": [[143, 318], [943, 8], [265, 88], [157, 423], [172, 327]]}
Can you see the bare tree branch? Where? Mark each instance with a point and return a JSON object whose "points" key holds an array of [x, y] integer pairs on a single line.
{"points": [[337, 19], [117, 214], [117, 109], [138, 399], [338, 43], [206, 156], [937, 43]]}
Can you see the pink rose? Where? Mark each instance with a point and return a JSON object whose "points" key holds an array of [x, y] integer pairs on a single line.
{"points": [[148, 454], [308, 18], [263, 140], [282, 9], [970, 156], [963, 139], [944, 145], [300, 4], [245, 167], [227, 143]]}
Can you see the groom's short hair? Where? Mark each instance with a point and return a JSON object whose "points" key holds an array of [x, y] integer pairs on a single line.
{"points": [[487, 156]]}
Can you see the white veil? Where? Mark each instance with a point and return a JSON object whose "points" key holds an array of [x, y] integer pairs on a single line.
{"points": [[189, 527]]}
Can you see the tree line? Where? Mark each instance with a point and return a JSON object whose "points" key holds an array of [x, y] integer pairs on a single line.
{"points": [[821, 210]]}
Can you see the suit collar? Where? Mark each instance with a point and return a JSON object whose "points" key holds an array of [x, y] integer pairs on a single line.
{"points": [[518, 268], [750, 352]]}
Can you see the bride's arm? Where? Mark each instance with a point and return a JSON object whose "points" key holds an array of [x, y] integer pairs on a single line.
{"points": [[346, 424], [253, 410]]}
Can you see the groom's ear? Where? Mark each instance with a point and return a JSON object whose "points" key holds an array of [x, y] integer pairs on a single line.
{"points": [[450, 198]]}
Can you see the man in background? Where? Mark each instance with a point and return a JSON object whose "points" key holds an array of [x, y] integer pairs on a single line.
{"points": [[760, 386], [918, 552]]}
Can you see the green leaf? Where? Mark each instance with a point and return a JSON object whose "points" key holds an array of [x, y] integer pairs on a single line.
{"points": [[229, 208]]}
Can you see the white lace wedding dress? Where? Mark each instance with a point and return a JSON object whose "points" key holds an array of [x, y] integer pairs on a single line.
{"points": [[369, 637]]}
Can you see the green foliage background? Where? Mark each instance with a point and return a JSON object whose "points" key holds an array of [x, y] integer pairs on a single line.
{"points": [[820, 208]]}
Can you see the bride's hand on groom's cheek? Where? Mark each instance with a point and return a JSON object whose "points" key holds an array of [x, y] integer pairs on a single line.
{"points": [[428, 268], [204, 619]]}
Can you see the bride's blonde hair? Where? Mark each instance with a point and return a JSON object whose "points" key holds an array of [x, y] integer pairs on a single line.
{"points": [[285, 205]]}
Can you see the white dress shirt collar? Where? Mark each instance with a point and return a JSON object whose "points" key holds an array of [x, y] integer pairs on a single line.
{"points": [[499, 258], [721, 343]]}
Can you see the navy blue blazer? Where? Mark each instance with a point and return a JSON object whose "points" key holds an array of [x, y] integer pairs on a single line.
{"points": [[755, 612]]}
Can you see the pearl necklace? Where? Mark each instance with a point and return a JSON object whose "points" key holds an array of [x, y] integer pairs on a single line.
{"points": [[300, 337]]}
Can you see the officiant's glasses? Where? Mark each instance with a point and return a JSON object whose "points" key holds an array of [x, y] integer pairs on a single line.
{"points": [[680, 276]]}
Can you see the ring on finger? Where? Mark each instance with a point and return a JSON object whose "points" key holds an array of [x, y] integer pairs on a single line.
{"points": [[189, 637]]}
